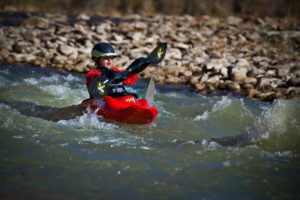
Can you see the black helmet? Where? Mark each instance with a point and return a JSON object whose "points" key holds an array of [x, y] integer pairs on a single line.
{"points": [[102, 49]]}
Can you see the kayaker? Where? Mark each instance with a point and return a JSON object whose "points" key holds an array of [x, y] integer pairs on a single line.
{"points": [[105, 82], [104, 54]]}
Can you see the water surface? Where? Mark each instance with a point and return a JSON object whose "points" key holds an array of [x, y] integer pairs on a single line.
{"points": [[87, 157]]}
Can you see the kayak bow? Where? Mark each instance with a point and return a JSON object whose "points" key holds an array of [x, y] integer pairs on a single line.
{"points": [[125, 109]]}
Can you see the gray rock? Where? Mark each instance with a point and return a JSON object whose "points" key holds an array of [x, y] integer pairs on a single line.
{"points": [[216, 65], [214, 79], [294, 82], [231, 20], [293, 92], [243, 63], [181, 46], [282, 72], [138, 52], [295, 71], [239, 74], [232, 86], [265, 96], [83, 17], [37, 22], [103, 28], [137, 36], [268, 84], [174, 53], [65, 50], [59, 59]]}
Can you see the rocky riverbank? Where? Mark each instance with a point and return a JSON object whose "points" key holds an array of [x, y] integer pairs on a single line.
{"points": [[258, 58]]}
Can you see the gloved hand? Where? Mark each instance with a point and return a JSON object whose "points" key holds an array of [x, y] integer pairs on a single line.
{"points": [[117, 77]]}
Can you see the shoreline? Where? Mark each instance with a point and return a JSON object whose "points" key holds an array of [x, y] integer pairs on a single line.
{"points": [[257, 58]]}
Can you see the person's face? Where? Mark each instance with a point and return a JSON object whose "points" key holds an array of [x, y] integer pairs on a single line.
{"points": [[106, 62]]}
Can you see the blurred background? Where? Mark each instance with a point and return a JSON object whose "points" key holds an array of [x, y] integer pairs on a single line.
{"points": [[255, 8]]}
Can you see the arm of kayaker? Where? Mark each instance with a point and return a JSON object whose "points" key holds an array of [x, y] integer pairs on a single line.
{"points": [[91, 75], [130, 75], [131, 79], [117, 76], [138, 65], [123, 76]]}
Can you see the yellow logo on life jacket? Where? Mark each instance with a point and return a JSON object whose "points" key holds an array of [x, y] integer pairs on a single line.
{"points": [[160, 52], [100, 87]]}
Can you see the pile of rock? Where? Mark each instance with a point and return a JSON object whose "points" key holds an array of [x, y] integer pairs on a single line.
{"points": [[255, 57]]}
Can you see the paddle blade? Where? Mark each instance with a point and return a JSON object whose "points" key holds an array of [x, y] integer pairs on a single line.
{"points": [[158, 54], [98, 88], [150, 91]]}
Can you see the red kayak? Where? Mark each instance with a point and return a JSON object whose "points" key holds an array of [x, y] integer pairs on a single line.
{"points": [[126, 109]]}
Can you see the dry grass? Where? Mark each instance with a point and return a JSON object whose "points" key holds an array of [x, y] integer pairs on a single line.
{"points": [[257, 8]]}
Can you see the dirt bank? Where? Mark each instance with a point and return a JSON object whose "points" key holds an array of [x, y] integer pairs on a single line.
{"points": [[258, 58]]}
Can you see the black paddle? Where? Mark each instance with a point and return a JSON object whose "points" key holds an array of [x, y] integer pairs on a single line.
{"points": [[158, 54], [100, 86], [155, 57]]}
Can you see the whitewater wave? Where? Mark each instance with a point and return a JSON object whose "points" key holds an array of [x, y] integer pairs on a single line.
{"points": [[275, 121], [225, 102]]}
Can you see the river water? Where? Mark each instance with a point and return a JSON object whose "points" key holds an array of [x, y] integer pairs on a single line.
{"points": [[87, 157]]}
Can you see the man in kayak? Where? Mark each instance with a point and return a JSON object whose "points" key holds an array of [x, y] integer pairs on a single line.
{"points": [[104, 54], [105, 82]]}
